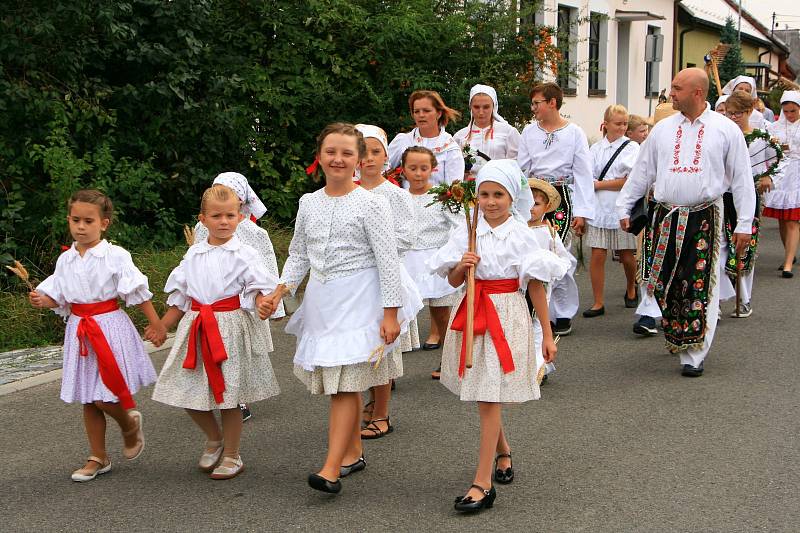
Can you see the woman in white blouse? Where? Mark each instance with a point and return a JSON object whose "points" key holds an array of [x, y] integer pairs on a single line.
{"points": [[488, 135], [612, 159], [431, 115]]}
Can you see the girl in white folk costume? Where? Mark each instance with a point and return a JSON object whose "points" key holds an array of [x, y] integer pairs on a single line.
{"points": [[431, 115], [545, 200], [370, 172], [105, 362], [782, 198], [220, 357], [507, 259], [432, 225], [355, 305], [748, 85], [488, 135], [612, 158]]}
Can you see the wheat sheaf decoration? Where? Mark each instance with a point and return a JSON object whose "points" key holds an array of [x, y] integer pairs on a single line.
{"points": [[22, 273]]}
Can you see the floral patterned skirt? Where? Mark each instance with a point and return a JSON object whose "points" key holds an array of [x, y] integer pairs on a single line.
{"points": [[747, 263]]}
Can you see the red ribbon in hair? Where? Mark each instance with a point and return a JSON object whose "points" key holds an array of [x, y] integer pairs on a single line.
{"points": [[310, 169], [90, 334], [486, 318], [211, 346]]}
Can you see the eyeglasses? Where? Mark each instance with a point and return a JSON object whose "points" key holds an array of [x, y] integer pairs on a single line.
{"points": [[734, 114], [536, 103]]}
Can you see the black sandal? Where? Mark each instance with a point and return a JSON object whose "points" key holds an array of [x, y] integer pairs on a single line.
{"points": [[466, 504], [375, 431], [504, 477]]}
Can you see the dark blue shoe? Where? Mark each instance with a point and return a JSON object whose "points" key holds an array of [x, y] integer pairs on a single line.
{"points": [[645, 326], [690, 371]]}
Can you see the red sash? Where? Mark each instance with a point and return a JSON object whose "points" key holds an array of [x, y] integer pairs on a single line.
{"points": [[486, 318], [89, 333], [211, 345]]}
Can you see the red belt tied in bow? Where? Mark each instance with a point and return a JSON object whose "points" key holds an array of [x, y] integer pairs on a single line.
{"points": [[211, 345], [486, 318], [89, 333]]}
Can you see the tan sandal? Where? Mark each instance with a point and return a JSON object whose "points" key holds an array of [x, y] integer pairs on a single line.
{"points": [[132, 453], [210, 459], [230, 467], [104, 468]]}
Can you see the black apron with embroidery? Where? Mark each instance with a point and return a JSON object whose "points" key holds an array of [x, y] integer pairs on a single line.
{"points": [[561, 218], [749, 259], [684, 257]]}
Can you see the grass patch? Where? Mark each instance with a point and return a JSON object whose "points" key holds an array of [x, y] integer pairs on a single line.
{"points": [[22, 326]]}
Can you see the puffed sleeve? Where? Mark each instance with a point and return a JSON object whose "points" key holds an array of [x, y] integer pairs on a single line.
{"points": [[398, 145], [449, 255], [177, 287], [297, 264], [625, 160], [377, 217], [132, 285], [535, 262], [254, 276], [52, 288], [513, 142]]}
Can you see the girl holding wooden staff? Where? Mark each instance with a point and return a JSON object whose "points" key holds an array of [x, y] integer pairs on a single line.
{"points": [[505, 257]]}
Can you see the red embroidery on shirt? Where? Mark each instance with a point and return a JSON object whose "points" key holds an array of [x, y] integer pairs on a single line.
{"points": [[698, 153]]}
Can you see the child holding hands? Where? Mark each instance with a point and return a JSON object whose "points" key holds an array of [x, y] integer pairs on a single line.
{"points": [[105, 362], [220, 355]]}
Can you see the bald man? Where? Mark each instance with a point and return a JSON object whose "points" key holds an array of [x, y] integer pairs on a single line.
{"points": [[690, 160]]}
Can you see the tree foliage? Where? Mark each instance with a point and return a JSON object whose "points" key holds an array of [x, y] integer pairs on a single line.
{"points": [[732, 65], [148, 100]]}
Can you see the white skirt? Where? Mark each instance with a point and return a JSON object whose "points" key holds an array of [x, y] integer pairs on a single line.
{"points": [[430, 284], [338, 322], [610, 239]]}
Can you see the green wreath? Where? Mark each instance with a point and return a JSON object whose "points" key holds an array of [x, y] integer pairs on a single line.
{"points": [[771, 143]]}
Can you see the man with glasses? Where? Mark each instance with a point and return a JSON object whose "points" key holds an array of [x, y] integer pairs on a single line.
{"points": [[557, 151], [690, 159]]}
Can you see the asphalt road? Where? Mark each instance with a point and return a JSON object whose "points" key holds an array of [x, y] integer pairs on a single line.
{"points": [[619, 442]]}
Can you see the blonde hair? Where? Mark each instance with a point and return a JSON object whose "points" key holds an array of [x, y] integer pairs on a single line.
{"points": [[739, 102], [94, 197], [635, 121], [615, 109], [218, 193]]}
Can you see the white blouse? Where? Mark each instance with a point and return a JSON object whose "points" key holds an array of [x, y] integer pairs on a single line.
{"points": [[548, 239], [211, 273], [605, 213], [564, 152], [450, 160], [105, 272], [253, 235], [432, 223], [498, 141], [693, 163], [402, 208], [509, 251], [337, 236]]}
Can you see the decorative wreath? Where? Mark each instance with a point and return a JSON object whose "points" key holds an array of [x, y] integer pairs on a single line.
{"points": [[456, 197], [771, 143]]}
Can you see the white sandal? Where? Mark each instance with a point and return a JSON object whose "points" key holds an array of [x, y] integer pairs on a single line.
{"points": [[210, 459], [104, 468], [228, 468], [132, 453]]}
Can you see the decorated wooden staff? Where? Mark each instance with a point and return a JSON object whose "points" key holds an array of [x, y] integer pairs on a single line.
{"points": [[457, 197]]}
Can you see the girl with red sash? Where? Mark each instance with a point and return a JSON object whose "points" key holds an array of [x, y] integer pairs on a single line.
{"points": [[220, 357], [105, 362], [508, 259]]}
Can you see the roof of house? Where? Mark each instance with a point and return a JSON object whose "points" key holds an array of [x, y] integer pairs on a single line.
{"points": [[713, 13]]}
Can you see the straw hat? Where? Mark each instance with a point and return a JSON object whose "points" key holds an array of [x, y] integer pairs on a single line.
{"points": [[554, 199], [663, 111]]}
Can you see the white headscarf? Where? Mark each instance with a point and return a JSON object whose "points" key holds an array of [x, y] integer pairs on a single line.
{"points": [[507, 173], [787, 97], [720, 100], [374, 132], [251, 203], [731, 85], [491, 93]]}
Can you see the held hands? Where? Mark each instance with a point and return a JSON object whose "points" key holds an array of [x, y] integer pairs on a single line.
{"points": [[265, 305], [41, 301], [156, 333], [578, 226]]}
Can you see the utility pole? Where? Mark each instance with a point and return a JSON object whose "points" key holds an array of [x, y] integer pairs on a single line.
{"points": [[740, 22], [772, 29]]}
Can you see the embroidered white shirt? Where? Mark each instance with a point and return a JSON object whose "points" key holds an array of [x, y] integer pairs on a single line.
{"points": [[498, 141], [337, 236], [211, 273], [690, 163], [105, 272], [432, 223], [450, 160], [605, 213], [561, 153]]}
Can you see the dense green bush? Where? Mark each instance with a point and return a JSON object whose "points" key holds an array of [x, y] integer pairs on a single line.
{"points": [[148, 100]]}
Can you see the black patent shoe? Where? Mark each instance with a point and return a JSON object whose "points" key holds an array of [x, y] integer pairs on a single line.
{"points": [[315, 481], [346, 470], [465, 504], [504, 477]]}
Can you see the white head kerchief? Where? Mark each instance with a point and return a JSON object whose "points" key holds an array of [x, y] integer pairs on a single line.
{"points": [[374, 132], [491, 93], [788, 97], [731, 85], [507, 173], [251, 203], [720, 100]]}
